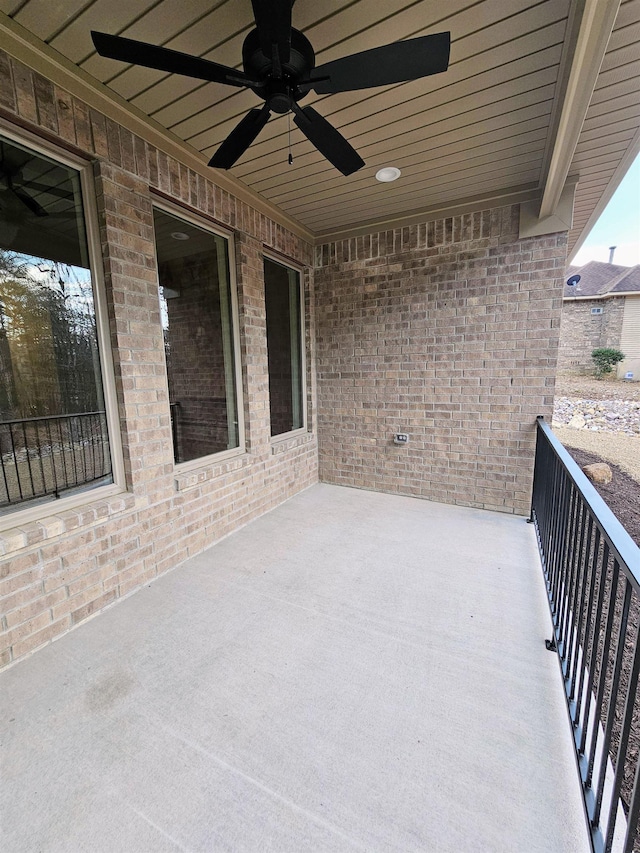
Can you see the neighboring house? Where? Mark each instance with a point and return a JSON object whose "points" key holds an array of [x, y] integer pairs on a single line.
{"points": [[184, 348], [601, 310]]}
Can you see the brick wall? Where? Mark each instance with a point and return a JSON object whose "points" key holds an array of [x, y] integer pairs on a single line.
{"points": [[581, 332], [59, 570], [447, 331]]}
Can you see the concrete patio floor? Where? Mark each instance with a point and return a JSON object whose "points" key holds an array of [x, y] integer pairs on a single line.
{"points": [[353, 671]]}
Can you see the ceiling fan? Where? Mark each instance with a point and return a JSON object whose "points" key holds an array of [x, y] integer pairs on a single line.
{"points": [[279, 66]]}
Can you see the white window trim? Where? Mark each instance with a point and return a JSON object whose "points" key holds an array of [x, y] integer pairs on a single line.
{"points": [[205, 225], [50, 506], [288, 264]]}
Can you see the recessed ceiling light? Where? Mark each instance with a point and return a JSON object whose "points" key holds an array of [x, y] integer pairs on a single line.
{"points": [[179, 235], [389, 173]]}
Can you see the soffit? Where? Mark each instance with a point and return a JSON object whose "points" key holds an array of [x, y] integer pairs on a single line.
{"points": [[478, 132], [610, 137]]}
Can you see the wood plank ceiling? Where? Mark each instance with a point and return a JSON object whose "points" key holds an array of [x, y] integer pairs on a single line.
{"points": [[480, 130]]}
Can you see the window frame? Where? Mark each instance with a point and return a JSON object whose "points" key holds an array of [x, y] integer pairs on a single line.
{"points": [[44, 507], [200, 221], [287, 263]]}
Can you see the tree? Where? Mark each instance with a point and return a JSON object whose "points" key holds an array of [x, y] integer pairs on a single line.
{"points": [[48, 349], [605, 359]]}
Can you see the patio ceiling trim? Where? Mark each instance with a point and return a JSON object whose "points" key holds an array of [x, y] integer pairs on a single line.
{"points": [[27, 48], [589, 28], [509, 195]]}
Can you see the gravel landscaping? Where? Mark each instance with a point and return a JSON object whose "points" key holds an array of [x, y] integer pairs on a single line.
{"points": [[599, 420]]}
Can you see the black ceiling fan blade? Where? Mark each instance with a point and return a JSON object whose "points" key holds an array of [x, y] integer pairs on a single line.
{"points": [[329, 142], [383, 66], [29, 202], [58, 192], [240, 138], [273, 22], [163, 59]]}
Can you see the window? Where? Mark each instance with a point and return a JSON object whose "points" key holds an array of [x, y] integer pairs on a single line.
{"points": [[284, 347], [53, 425], [596, 310], [198, 313]]}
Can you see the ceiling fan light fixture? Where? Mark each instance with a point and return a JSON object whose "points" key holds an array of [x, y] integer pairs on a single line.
{"points": [[388, 174]]}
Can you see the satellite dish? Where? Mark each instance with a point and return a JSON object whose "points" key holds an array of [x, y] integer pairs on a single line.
{"points": [[571, 282]]}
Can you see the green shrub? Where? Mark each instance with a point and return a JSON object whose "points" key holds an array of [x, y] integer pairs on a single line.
{"points": [[605, 359]]}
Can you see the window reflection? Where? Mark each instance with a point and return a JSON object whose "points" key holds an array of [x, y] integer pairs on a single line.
{"points": [[284, 347], [53, 431], [195, 302]]}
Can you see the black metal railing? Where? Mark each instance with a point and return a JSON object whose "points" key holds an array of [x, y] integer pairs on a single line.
{"points": [[592, 572], [174, 411], [50, 455]]}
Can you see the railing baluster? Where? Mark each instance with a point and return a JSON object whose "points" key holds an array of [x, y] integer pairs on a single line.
{"points": [[53, 461], [596, 635], [4, 471], [588, 577], [32, 438], [40, 458], [624, 740], [63, 454], [606, 648], [589, 562], [83, 447], [15, 462], [72, 448], [569, 558], [557, 525], [634, 811], [28, 455], [587, 652], [104, 433], [577, 599], [611, 711], [93, 448]]}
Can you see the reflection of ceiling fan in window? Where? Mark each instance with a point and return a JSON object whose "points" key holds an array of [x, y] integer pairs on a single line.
{"points": [[40, 212], [16, 191]]}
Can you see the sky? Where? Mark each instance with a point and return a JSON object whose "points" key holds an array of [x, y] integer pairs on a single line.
{"points": [[619, 225]]}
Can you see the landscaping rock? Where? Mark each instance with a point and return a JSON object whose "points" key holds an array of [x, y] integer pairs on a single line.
{"points": [[577, 421], [598, 415], [599, 472]]}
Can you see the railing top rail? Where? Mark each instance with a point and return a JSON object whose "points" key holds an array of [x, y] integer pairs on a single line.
{"points": [[51, 418], [622, 546]]}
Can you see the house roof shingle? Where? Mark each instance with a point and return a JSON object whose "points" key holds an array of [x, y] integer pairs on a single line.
{"points": [[599, 279]]}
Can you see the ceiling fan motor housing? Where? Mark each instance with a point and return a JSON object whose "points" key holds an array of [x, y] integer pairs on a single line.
{"points": [[278, 91]]}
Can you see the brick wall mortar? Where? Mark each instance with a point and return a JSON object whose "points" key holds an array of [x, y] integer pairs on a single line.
{"points": [[60, 570], [447, 331]]}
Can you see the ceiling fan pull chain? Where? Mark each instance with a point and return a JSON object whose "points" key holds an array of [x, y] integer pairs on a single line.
{"points": [[290, 158]]}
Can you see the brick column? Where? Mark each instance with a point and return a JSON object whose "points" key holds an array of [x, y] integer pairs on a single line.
{"points": [[127, 238], [253, 343]]}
